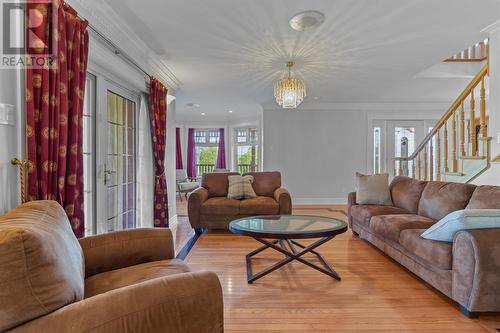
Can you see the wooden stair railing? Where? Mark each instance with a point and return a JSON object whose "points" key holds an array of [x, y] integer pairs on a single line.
{"points": [[453, 139], [476, 53]]}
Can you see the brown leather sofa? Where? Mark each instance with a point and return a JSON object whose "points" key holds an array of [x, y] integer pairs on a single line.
{"points": [[468, 270], [119, 282], [209, 207]]}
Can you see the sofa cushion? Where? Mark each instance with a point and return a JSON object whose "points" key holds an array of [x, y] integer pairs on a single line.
{"points": [[406, 193], [265, 183], [441, 198], [41, 263], [216, 184], [485, 197], [220, 206], [439, 254], [361, 214], [373, 189], [119, 278], [259, 206], [390, 226]]}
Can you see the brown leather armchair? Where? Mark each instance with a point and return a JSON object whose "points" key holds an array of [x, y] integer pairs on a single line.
{"points": [[119, 282], [209, 207]]}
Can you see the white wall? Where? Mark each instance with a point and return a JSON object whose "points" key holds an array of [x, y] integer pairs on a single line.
{"points": [[492, 175], [11, 138], [318, 150]]}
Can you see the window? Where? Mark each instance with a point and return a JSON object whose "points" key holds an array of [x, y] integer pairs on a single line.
{"points": [[246, 150], [206, 147]]}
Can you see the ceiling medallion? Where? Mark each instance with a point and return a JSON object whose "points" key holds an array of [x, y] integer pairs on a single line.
{"points": [[306, 20], [289, 92]]}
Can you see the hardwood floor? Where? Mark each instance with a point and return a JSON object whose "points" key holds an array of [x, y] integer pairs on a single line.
{"points": [[375, 294]]}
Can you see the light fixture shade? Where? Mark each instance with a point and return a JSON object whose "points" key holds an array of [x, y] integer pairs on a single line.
{"points": [[289, 92]]}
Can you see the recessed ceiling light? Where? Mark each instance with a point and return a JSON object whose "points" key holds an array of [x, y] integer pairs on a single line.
{"points": [[203, 114], [307, 20], [193, 105], [230, 111]]}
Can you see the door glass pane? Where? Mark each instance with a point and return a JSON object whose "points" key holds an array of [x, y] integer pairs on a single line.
{"points": [[89, 155], [404, 147], [120, 168], [376, 150]]}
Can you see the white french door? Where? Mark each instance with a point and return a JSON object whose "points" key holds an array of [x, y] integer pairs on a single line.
{"points": [[116, 157]]}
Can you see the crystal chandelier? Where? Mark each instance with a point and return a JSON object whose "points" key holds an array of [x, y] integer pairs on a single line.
{"points": [[289, 92]]}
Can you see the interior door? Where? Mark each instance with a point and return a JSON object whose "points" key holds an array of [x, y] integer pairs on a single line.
{"points": [[402, 138], [116, 158]]}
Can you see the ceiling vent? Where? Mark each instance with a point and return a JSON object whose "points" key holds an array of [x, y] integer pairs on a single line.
{"points": [[307, 20]]}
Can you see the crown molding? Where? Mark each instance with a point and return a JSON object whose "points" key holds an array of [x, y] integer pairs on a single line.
{"points": [[103, 18], [363, 106]]}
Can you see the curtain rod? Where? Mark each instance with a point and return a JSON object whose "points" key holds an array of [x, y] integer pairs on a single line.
{"points": [[117, 51]]}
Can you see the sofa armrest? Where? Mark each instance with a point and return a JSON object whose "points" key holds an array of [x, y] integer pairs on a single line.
{"points": [[126, 248], [476, 270], [180, 303], [282, 196], [351, 201], [195, 200]]}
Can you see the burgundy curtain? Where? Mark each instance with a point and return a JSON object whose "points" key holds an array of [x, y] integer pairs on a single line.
{"points": [[178, 149], [54, 108], [221, 152], [158, 118], [191, 163]]}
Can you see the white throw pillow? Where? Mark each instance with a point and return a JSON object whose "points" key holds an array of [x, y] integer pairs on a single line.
{"points": [[373, 189], [466, 219]]}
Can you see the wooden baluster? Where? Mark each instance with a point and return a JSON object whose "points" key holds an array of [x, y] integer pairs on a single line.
{"points": [[462, 130], [419, 167], [431, 160], [413, 171], [445, 147], [472, 128], [484, 131], [438, 155], [454, 143], [426, 164]]}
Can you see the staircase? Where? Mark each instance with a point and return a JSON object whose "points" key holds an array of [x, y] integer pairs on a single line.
{"points": [[457, 149]]}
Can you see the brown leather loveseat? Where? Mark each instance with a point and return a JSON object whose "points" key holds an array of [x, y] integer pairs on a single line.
{"points": [[467, 270], [119, 282], [209, 207]]}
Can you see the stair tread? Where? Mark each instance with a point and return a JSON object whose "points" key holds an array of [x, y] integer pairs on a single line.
{"points": [[472, 157], [453, 174]]}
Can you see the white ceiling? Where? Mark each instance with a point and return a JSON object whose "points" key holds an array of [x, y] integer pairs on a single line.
{"points": [[228, 53]]}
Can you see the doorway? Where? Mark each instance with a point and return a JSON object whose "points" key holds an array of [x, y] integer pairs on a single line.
{"points": [[390, 138], [116, 158]]}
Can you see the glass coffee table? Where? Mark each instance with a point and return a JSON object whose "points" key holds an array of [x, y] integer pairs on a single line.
{"points": [[280, 233]]}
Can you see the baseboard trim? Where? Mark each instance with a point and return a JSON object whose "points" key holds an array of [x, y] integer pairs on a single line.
{"points": [[319, 201]]}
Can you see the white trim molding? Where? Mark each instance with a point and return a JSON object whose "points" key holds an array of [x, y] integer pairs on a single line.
{"points": [[103, 18], [495, 26], [319, 201]]}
